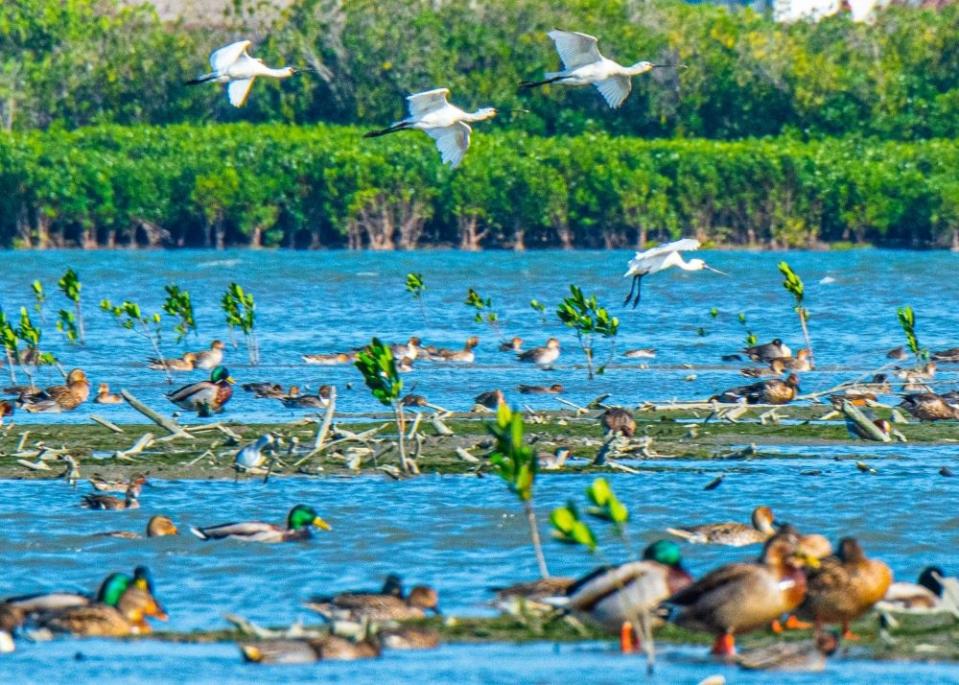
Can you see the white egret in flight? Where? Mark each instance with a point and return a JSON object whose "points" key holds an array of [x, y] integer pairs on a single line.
{"points": [[233, 65], [585, 66], [446, 124], [659, 258]]}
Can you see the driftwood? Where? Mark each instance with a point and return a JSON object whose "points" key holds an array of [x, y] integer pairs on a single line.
{"points": [[106, 424], [167, 424], [327, 421], [867, 426]]}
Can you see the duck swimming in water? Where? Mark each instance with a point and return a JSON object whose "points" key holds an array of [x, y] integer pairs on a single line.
{"points": [[59, 398], [211, 358], [768, 351], [185, 363], [731, 534], [511, 345], [104, 396], [330, 359], [543, 357], [554, 389], [205, 397], [464, 356], [299, 522]]}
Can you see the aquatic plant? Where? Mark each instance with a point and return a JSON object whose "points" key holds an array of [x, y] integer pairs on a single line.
{"points": [[11, 344], [178, 305], [483, 308], [131, 317], [751, 338], [416, 287], [378, 366], [39, 299], [32, 358], [587, 318], [70, 286], [516, 463], [907, 320], [240, 309], [67, 324], [794, 285], [539, 308]]}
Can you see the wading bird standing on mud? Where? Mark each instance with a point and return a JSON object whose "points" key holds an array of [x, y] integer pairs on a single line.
{"points": [[585, 66], [233, 65], [446, 124], [660, 258]]}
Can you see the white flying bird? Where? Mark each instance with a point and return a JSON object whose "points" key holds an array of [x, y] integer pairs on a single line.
{"points": [[233, 65], [446, 124], [586, 67], [659, 258]]}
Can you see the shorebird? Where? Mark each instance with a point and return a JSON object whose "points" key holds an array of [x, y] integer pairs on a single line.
{"points": [[660, 258], [233, 65]]}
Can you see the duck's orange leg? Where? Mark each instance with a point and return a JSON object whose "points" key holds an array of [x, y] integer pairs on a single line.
{"points": [[847, 634], [628, 640], [793, 623], [725, 645]]}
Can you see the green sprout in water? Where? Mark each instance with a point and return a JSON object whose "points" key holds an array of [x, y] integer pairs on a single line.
{"points": [[178, 305], [751, 338], [540, 308], [39, 298], [515, 462], [11, 344], [794, 285], [31, 335], [484, 308], [70, 286], [240, 310], [416, 287], [907, 319], [378, 366], [570, 529], [67, 324], [587, 318], [130, 316]]}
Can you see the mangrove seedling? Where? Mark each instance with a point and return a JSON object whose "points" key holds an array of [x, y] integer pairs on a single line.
{"points": [[907, 320], [39, 299], [148, 326], [794, 285], [483, 308], [587, 318], [11, 344], [67, 324], [240, 310], [751, 338], [416, 287], [178, 305], [515, 462], [570, 529], [70, 286], [378, 366], [32, 358], [540, 308]]}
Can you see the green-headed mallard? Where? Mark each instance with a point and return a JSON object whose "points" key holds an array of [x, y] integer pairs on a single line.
{"points": [[205, 397], [158, 526], [377, 606], [298, 524], [845, 587], [806, 656], [308, 650], [731, 534], [104, 396], [739, 598], [59, 398]]}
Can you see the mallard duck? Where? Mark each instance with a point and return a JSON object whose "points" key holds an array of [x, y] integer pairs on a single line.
{"points": [[738, 598], [924, 595], [913, 379], [511, 345], [411, 349], [211, 358], [554, 389], [525, 598], [308, 650], [111, 503], [491, 399], [760, 372], [555, 460], [265, 390], [58, 398], [377, 606], [329, 359], [897, 353], [298, 524], [20, 390], [6, 409], [157, 527], [929, 406], [809, 656], [641, 353], [205, 397], [104, 396], [544, 357], [950, 355], [294, 400], [773, 391], [618, 421], [409, 637], [768, 351], [105, 485], [730, 534], [251, 457], [845, 587], [618, 595], [185, 363], [464, 356], [801, 362]]}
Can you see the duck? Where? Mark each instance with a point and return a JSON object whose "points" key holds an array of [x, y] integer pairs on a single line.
{"points": [[265, 390], [111, 503], [897, 353], [20, 390], [613, 597], [554, 389], [768, 351], [641, 353], [157, 527], [491, 399], [308, 650], [884, 425], [377, 606], [404, 364], [250, 457], [949, 356], [543, 357], [926, 372], [801, 362], [773, 391], [555, 460], [410, 349], [6, 409], [294, 400], [329, 359], [211, 358], [409, 637], [929, 406], [464, 356], [205, 397], [512, 345], [529, 597], [922, 596], [185, 363], [845, 586], [58, 398], [761, 371], [105, 485], [742, 597], [618, 421], [730, 534], [104, 396], [299, 522], [808, 656]]}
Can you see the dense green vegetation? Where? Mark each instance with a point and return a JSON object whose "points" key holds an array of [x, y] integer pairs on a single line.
{"points": [[269, 184]]}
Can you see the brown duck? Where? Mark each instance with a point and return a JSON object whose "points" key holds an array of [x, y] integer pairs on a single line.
{"points": [[308, 650], [377, 606], [554, 389], [773, 391], [618, 421], [731, 534], [58, 398], [928, 406]]}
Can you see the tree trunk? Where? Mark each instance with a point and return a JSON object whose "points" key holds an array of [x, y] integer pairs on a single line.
{"points": [[519, 238], [470, 236], [220, 234], [256, 238], [642, 238], [43, 231], [955, 240]]}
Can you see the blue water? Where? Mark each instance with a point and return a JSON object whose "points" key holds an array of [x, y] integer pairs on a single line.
{"points": [[312, 302]]}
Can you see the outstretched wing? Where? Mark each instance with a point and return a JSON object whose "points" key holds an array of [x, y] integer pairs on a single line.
{"points": [[239, 90], [452, 142], [575, 49], [675, 246], [615, 90], [227, 55], [427, 101], [644, 261]]}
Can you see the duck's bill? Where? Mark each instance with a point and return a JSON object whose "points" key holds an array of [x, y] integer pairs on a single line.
{"points": [[721, 273], [320, 523], [231, 380], [808, 560]]}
